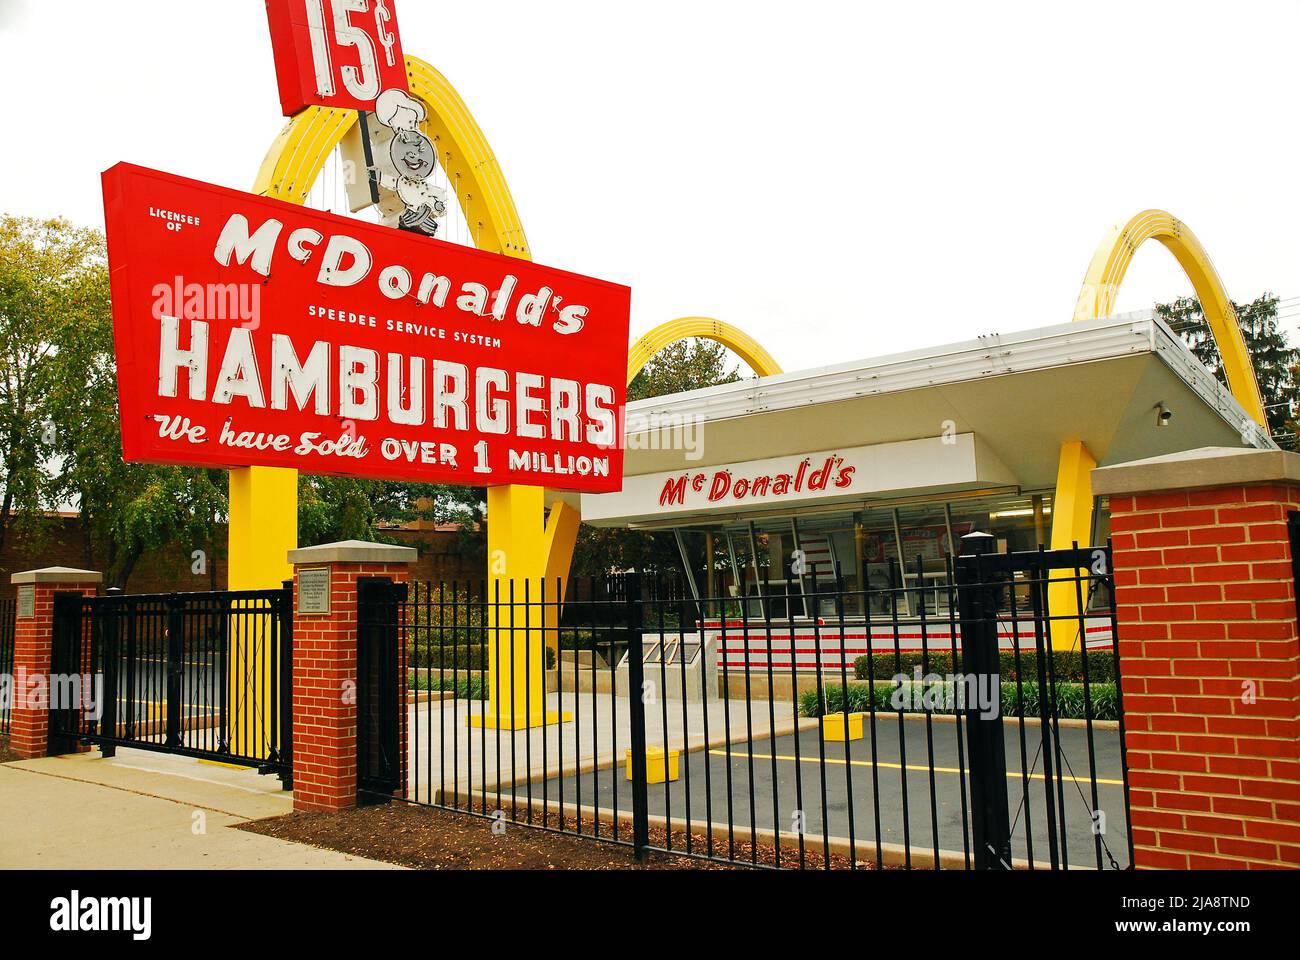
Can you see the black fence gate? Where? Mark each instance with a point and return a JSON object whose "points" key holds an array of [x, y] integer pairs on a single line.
{"points": [[205, 675], [996, 591], [968, 717], [380, 687], [1293, 534], [8, 611]]}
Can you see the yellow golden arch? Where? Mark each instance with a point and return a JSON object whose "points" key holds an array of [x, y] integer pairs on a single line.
{"points": [[666, 334], [263, 518], [1072, 503], [1111, 262], [300, 151]]}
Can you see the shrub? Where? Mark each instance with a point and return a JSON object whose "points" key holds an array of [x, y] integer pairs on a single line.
{"points": [[1068, 665], [476, 657], [1070, 703], [442, 617], [473, 687], [859, 699], [473, 657], [884, 665], [583, 639], [1105, 701]]}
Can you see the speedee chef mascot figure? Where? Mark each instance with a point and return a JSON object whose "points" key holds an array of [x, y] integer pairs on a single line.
{"points": [[414, 159]]}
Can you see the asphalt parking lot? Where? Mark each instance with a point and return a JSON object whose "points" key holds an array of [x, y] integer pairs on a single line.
{"points": [[910, 790]]}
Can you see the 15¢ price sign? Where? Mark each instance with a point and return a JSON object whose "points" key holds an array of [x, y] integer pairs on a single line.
{"points": [[335, 53]]}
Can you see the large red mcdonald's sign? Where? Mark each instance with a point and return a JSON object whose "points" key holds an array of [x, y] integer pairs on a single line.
{"points": [[251, 331]]}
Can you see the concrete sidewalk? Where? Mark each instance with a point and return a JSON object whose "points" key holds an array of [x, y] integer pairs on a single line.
{"points": [[150, 811]]}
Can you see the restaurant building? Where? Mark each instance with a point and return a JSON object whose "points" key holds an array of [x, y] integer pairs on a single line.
{"points": [[872, 471]]}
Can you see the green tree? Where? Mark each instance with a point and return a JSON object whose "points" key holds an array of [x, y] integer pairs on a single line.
{"points": [[59, 411], [1273, 358], [686, 365], [48, 273], [350, 508]]}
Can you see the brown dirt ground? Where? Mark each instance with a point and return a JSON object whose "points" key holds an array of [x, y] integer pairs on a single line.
{"points": [[7, 755], [431, 838]]}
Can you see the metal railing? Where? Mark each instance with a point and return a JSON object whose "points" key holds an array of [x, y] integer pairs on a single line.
{"points": [[8, 614], [521, 756], [207, 675], [984, 729]]}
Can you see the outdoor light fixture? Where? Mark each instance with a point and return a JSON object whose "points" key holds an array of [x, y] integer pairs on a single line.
{"points": [[1163, 415]]}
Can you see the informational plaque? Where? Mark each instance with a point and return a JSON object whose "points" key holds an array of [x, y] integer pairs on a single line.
{"points": [[314, 590], [27, 602]]}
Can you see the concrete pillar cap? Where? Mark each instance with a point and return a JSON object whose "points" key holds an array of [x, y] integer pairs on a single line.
{"points": [[57, 575], [353, 551], [1198, 469]]}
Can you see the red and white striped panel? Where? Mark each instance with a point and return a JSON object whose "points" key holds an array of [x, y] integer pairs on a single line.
{"points": [[738, 649]]}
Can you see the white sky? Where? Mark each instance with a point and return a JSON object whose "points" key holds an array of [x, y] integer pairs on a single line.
{"points": [[838, 179]]}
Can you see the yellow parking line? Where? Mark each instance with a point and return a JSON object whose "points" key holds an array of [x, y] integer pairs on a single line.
{"points": [[1011, 774]]}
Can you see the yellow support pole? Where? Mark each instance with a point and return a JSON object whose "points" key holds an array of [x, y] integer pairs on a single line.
{"points": [[1071, 524], [263, 526], [263, 529], [561, 536], [518, 561]]}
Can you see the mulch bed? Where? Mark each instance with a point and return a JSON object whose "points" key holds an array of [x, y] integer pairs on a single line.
{"points": [[7, 755], [431, 838]]}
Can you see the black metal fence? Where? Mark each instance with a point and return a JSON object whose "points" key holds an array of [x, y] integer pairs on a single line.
{"points": [[381, 687], [971, 718], [207, 675], [8, 613], [481, 744], [1293, 534]]}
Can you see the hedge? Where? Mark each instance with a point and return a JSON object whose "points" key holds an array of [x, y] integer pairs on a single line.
{"points": [[1068, 665], [445, 617], [473, 687], [1069, 700], [476, 657], [462, 658]]}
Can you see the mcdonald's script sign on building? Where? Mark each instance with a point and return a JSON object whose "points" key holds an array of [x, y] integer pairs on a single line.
{"points": [[255, 332]]}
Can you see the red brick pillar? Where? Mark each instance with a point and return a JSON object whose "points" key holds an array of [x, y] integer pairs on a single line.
{"points": [[325, 666], [1210, 655], [33, 635]]}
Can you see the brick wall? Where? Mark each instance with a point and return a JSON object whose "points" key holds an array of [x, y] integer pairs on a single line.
{"points": [[59, 543], [29, 722], [324, 669], [1210, 658], [446, 554]]}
